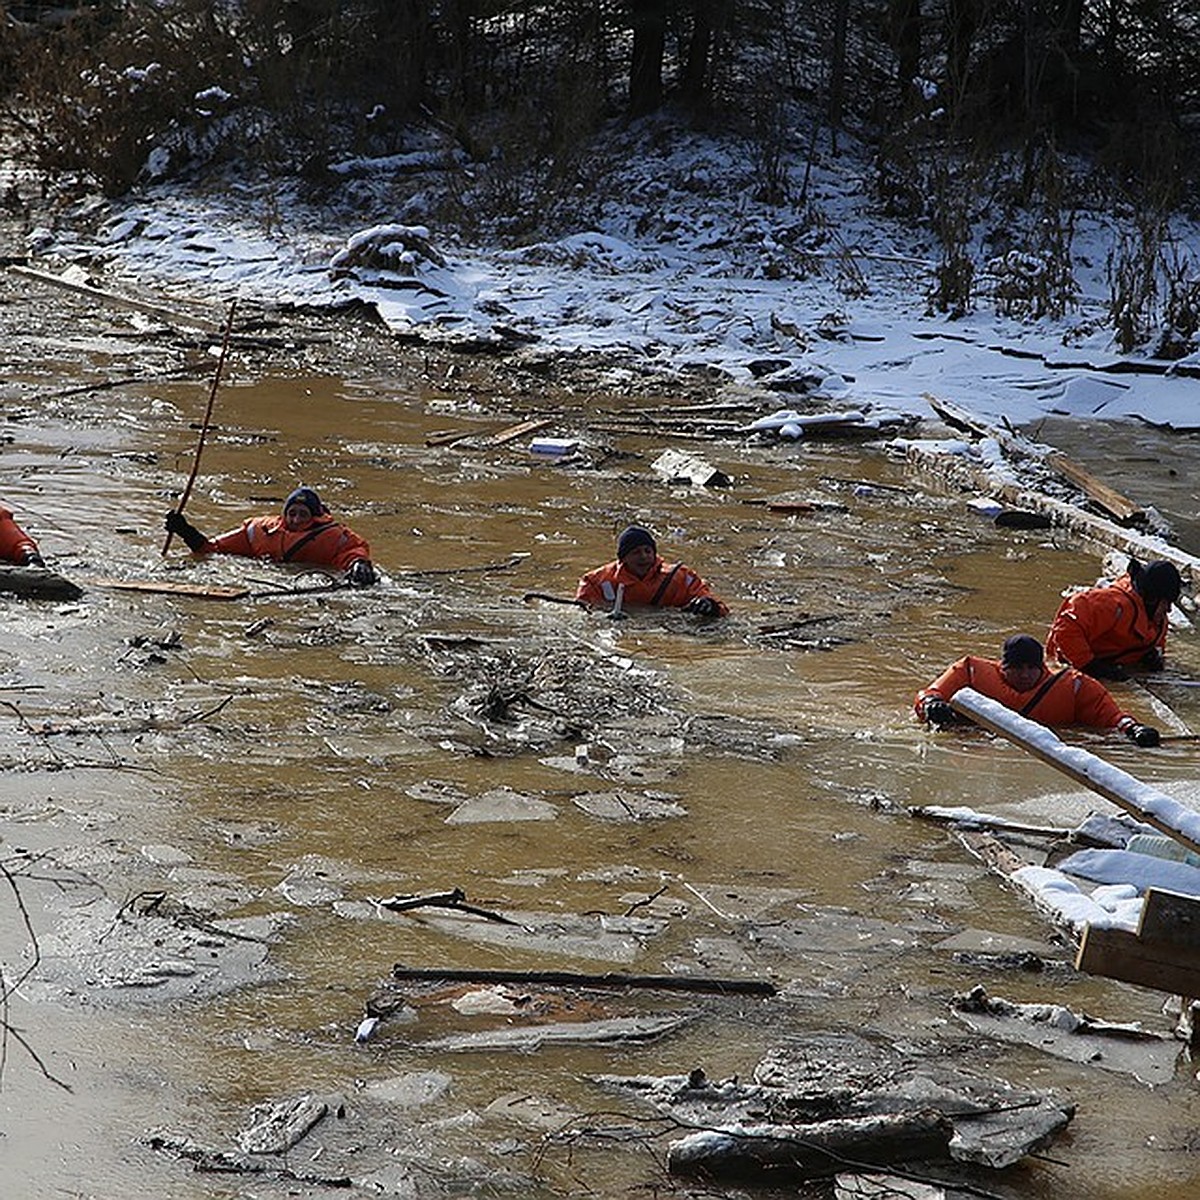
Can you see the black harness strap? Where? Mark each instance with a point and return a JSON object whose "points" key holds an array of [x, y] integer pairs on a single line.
{"points": [[1037, 696], [295, 547], [662, 587]]}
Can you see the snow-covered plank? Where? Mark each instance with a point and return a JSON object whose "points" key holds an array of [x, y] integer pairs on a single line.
{"points": [[1146, 803]]}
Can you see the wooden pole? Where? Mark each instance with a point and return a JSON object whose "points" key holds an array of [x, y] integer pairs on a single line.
{"points": [[185, 495], [1152, 807], [609, 979]]}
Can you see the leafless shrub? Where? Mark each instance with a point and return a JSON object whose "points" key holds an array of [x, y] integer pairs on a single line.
{"points": [[1154, 290]]}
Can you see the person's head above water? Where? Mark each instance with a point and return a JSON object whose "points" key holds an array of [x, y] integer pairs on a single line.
{"points": [[637, 549], [301, 506]]}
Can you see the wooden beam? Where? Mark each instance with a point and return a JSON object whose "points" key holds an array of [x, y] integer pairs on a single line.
{"points": [[1149, 806], [1171, 919], [1119, 954], [1108, 498]]}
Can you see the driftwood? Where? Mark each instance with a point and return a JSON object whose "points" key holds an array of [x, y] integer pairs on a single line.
{"points": [[1122, 789], [1092, 532], [609, 979], [783, 1153], [456, 899], [975, 820], [37, 583], [529, 1038], [281, 1126]]}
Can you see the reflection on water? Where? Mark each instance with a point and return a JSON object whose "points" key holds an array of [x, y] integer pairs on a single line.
{"points": [[329, 777]]}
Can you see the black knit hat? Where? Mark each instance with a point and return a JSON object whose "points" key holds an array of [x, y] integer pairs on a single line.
{"points": [[633, 537], [307, 497], [1021, 650], [1155, 581]]}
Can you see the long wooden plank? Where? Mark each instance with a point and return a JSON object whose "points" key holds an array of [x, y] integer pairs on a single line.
{"points": [[166, 315], [536, 425], [1107, 497], [1119, 954], [1152, 807], [196, 590], [1171, 920], [609, 979]]}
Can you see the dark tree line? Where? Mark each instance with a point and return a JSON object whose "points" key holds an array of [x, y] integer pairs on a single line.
{"points": [[1119, 78]]}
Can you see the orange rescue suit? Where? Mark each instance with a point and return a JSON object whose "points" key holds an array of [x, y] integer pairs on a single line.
{"points": [[1105, 622], [15, 544], [325, 542], [1072, 699], [665, 585]]}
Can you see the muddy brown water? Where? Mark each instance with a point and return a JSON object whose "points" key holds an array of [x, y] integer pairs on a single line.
{"points": [[350, 757]]}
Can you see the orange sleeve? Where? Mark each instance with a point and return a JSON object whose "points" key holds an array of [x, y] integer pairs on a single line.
{"points": [[236, 541], [15, 543], [1094, 704], [589, 589], [955, 676], [687, 586]]}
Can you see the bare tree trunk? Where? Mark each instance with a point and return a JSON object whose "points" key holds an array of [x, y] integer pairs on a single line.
{"points": [[837, 68], [904, 25], [649, 46]]}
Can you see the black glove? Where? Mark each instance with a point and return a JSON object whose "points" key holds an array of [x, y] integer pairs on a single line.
{"points": [[361, 573], [1106, 668], [178, 524], [34, 559], [1152, 660], [1143, 735], [703, 606], [937, 712]]}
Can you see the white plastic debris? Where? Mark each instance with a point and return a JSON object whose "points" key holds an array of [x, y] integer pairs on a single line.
{"points": [[366, 1029]]}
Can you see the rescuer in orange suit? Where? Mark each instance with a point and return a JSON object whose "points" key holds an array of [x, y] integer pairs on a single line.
{"points": [[1106, 630], [304, 533], [1020, 681], [16, 546], [648, 582]]}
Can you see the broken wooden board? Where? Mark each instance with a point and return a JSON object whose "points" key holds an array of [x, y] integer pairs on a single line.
{"points": [[196, 591], [676, 466], [451, 437], [1149, 806], [1163, 955], [512, 432], [37, 583], [1117, 505]]}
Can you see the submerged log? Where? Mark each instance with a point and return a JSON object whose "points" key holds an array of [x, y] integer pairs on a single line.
{"points": [[782, 1153], [37, 583]]}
